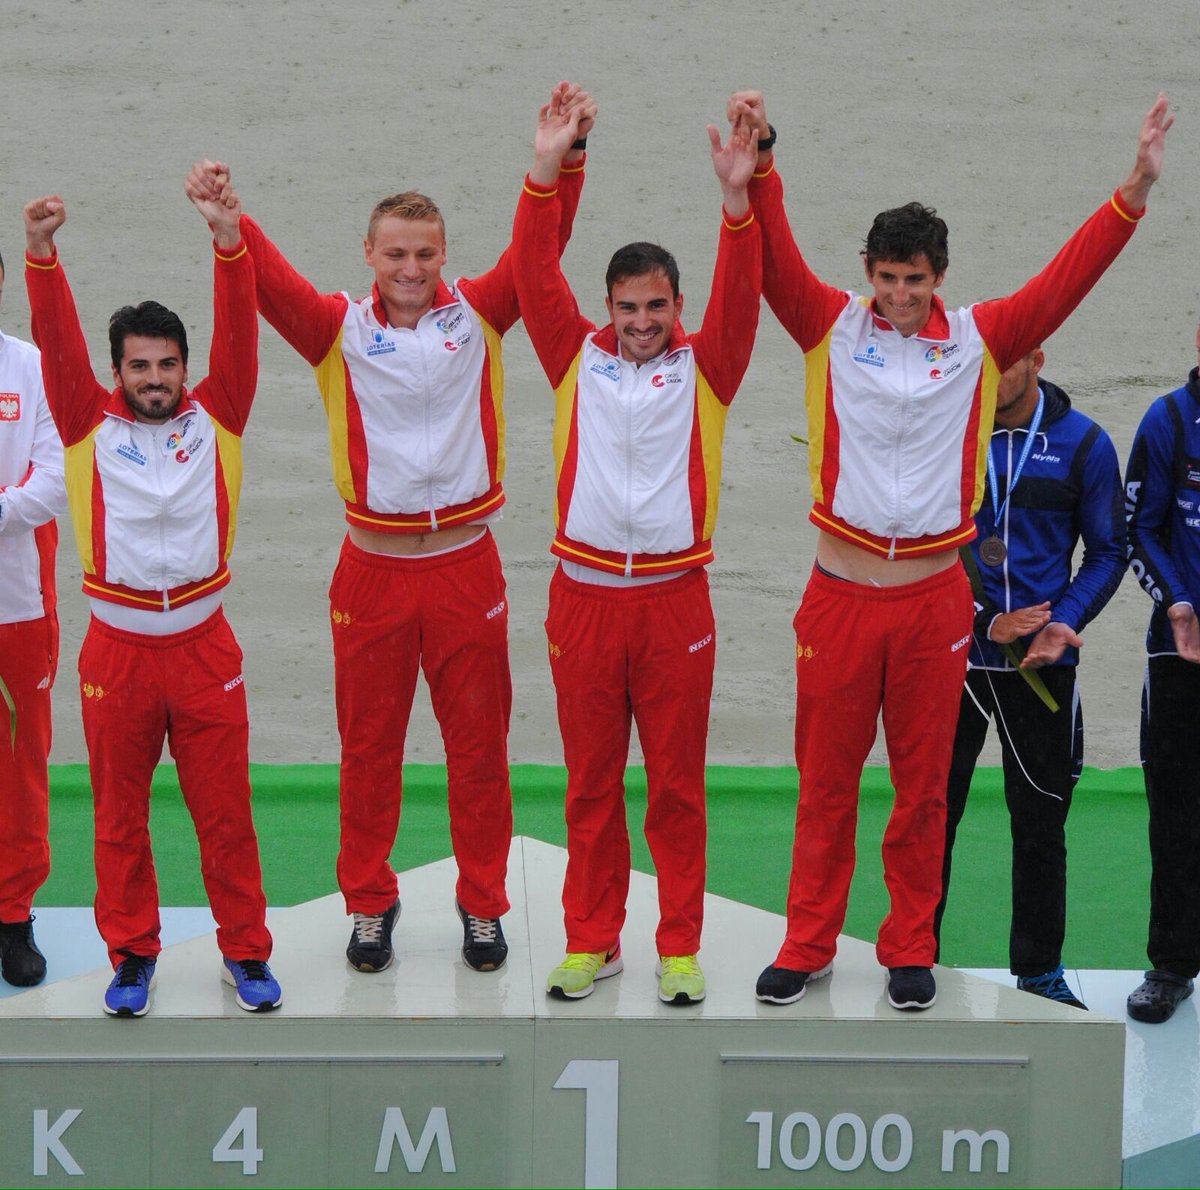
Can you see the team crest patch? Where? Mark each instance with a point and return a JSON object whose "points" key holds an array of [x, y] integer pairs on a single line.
{"points": [[10, 406]]}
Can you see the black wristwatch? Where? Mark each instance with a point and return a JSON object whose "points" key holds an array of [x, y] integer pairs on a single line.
{"points": [[767, 142]]}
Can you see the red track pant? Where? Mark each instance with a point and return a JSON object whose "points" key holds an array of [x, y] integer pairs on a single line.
{"points": [[860, 648], [643, 652], [447, 615], [28, 659], [188, 687]]}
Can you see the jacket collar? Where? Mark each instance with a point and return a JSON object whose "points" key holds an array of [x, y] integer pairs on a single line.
{"points": [[442, 297], [606, 339], [116, 406], [936, 328]]}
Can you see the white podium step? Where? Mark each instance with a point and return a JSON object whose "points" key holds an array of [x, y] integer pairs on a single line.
{"points": [[433, 1073]]}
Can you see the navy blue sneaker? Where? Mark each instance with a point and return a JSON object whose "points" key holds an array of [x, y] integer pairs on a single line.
{"points": [[911, 989], [1053, 985], [129, 992], [257, 988]]}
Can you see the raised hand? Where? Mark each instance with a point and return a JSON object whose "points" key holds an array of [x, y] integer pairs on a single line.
{"points": [[573, 96], [1148, 162], [557, 130], [43, 217], [735, 161], [753, 102], [211, 191]]}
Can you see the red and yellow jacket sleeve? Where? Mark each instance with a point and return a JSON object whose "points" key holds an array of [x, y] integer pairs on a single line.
{"points": [[75, 397], [494, 294], [308, 320], [805, 306], [228, 390], [552, 318], [1013, 326], [725, 341]]}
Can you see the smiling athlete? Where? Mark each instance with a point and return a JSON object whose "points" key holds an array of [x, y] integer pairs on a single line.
{"points": [[900, 395], [413, 385], [639, 422]]}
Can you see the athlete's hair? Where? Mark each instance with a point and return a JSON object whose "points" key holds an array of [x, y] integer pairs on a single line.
{"points": [[637, 260], [408, 205], [906, 232], [150, 319]]}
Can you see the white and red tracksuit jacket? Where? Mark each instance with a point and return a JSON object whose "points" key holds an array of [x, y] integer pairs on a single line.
{"points": [[154, 507], [637, 450], [31, 486], [925, 403], [416, 417]]}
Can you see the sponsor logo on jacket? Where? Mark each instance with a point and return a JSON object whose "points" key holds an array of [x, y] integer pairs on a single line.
{"points": [[610, 369], [663, 378], [873, 357], [944, 373], [127, 450], [10, 406], [935, 355], [380, 344]]}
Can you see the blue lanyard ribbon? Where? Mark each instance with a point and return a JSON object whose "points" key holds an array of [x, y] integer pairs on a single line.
{"points": [[997, 506]]}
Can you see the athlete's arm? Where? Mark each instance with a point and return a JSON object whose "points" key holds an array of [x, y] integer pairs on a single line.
{"points": [[552, 318], [1013, 325], [228, 390], [726, 338], [493, 294], [41, 494], [805, 306], [72, 392], [1101, 520], [1149, 500]]}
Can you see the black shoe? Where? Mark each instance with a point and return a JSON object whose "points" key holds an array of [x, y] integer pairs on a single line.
{"points": [[1053, 986], [911, 988], [781, 985], [21, 963], [1155, 1000], [484, 948], [370, 946]]}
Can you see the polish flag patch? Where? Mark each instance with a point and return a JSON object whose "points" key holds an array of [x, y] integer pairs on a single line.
{"points": [[10, 406]]}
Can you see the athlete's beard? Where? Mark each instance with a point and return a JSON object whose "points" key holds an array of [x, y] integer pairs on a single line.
{"points": [[156, 410]]}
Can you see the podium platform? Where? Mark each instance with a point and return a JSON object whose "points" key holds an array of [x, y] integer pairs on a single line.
{"points": [[430, 1073]]}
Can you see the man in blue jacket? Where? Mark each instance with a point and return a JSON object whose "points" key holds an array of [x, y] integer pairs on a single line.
{"points": [[1052, 478], [1162, 488]]}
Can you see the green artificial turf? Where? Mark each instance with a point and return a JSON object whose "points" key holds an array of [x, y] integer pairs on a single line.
{"points": [[751, 812]]}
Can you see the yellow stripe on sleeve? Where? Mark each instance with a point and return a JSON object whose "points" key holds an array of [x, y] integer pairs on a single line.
{"points": [[80, 475], [711, 415], [564, 408], [331, 380]]}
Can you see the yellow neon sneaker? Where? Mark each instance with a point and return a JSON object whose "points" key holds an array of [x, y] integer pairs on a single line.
{"points": [[575, 977], [680, 980]]}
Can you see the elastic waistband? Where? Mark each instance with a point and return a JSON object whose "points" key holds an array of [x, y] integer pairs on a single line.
{"points": [[485, 543], [142, 640], [641, 593], [836, 585]]}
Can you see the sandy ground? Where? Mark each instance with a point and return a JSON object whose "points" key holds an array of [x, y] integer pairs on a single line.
{"points": [[1015, 120]]}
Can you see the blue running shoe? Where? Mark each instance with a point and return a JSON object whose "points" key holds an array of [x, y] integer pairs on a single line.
{"points": [[1053, 986], [257, 988], [129, 992]]}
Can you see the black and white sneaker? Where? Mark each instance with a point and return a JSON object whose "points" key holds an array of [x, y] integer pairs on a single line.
{"points": [[782, 985], [911, 988], [370, 948], [484, 948]]}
